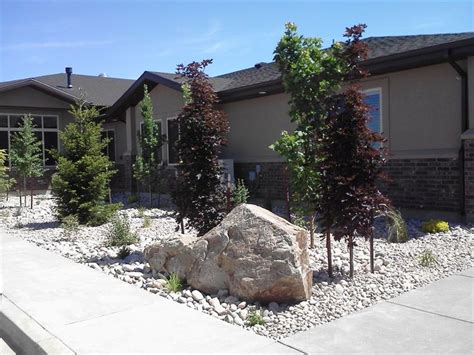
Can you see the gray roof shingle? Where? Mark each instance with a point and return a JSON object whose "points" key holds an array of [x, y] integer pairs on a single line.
{"points": [[105, 91], [389, 45], [378, 47], [100, 91]]}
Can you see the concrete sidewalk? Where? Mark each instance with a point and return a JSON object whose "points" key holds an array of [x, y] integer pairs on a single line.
{"points": [[59, 306], [53, 305], [437, 318]]}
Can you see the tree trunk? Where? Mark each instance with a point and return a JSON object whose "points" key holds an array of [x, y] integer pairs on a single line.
{"points": [[182, 227], [31, 193], [351, 256], [21, 198], [311, 232], [150, 195], [9, 185], [371, 241], [24, 189], [328, 249], [138, 193], [288, 195]]}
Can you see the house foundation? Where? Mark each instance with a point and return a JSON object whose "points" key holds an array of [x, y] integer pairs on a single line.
{"points": [[468, 141]]}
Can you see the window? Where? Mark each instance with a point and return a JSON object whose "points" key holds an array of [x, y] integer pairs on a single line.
{"points": [[45, 127], [173, 136], [159, 150], [373, 99], [110, 148], [4, 143]]}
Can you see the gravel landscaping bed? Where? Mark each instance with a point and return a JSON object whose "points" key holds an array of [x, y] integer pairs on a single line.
{"points": [[398, 267]]}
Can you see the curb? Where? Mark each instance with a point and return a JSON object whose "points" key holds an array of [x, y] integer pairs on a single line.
{"points": [[24, 334]]}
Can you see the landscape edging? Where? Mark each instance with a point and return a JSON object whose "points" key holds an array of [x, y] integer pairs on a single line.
{"points": [[24, 334]]}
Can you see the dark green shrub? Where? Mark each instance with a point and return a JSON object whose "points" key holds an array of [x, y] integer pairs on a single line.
{"points": [[70, 225], [132, 199], [119, 232], [80, 185]]}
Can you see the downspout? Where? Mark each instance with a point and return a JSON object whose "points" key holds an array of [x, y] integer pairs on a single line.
{"points": [[464, 127]]}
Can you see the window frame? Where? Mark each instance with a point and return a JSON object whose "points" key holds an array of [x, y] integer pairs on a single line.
{"points": [[11, 130], [168, 140]]}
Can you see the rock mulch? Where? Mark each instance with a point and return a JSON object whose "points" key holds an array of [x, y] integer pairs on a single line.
{"points": [[398, 267]]}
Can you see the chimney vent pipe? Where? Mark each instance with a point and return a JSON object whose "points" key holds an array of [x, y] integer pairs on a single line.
{"points": [[69, 72]]}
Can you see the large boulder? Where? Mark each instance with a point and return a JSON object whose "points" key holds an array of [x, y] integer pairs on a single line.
{"points": [[253, 253]]}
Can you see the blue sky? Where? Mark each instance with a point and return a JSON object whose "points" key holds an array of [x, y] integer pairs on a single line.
{"points": [[124, 38]]}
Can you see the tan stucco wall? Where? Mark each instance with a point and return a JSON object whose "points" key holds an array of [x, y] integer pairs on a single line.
{"points": [[30, 97], [421, 111], [29, 100], [120, 138], [166, 103], [255, 124], [421, 115]]}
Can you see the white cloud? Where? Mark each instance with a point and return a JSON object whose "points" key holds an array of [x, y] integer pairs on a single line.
{"points": [[55, 44], [213, 48]]}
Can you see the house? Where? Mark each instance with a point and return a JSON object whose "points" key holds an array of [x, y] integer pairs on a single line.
{"points": [[48, 98], [420, 90]]}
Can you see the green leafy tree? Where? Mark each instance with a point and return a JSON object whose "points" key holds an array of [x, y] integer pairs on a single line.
{"points": [[199, 194], [147, 166], [80, 185], [26, 155], [310, 75], [5, 180], [350, 161]]}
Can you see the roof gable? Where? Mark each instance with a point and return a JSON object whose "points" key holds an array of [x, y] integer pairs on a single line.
{"points": [[32, 97]]}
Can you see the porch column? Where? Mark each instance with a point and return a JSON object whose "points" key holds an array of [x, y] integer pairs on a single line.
{"points": [[128, 157], [470, 91]]}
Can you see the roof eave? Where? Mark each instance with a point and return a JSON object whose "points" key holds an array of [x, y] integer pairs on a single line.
{"points": [[48, 89], [420, 57], [251, 91], [134, 93]]}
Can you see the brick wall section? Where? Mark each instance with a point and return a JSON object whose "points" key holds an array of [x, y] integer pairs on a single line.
{"points": [[119, 180], [124, 180], [431, 184], [469, 177], [40, 183], [271, 183]]}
